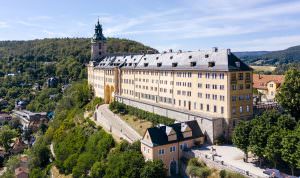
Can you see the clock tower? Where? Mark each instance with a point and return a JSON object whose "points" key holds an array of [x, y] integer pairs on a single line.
{"points": [[98, 43]]}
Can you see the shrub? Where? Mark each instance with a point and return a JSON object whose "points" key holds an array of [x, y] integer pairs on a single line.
{"points": [[140, 114], [220, 140]]}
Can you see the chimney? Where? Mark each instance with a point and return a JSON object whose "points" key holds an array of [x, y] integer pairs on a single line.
{"points": [[170, 50], [215, 49]]}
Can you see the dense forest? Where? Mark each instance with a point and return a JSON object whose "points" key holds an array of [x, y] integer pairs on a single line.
{"points": [[25, 65], [277, 58]]}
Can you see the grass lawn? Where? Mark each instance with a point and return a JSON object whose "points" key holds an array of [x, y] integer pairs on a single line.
{"points": [[137, 124]]}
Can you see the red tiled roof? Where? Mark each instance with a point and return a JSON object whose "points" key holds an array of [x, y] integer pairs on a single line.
{"points": [[260, 81]]}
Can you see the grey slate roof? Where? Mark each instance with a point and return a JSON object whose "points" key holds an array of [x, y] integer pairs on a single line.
{"points": [[159, 136], [222, 60]]}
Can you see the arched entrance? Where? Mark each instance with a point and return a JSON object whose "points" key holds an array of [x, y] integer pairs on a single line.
{"points": [[173, 168]]}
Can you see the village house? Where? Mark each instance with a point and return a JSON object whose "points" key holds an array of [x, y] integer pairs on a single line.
{"points": [[267, 86], [167, 143]]}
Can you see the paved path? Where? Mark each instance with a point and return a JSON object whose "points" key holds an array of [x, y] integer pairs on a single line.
{"points": [[232, 158], [114, 124]]}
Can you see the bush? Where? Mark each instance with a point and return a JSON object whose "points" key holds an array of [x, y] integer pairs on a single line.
{"points": [[220, 140], [140, 114]]}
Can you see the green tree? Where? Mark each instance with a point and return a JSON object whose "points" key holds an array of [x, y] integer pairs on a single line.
{"points": [[39, 154], [273, 147], [126, 164], [290, 153], [6, 136], [153, 169], [240, 137], [289, 94], [98, 170]]}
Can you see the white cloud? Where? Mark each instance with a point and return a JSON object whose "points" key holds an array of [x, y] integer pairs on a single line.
{"points": [[3, 24]]}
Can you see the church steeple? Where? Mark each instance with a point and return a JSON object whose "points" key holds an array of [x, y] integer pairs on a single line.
{"points": [[98, 32], [98, 43]]}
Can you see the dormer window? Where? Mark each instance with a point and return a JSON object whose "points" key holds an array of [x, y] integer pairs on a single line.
{"points": [[174, 64], [156, 58], [193, 64], [171, 57], [238, 64], [190, 57], [145, 58], [211, 64], [130, 64], [145, 64], [206, 55], [159, 64]]}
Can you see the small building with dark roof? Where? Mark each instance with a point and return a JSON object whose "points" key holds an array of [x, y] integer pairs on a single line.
{"points": [[167, 143]]}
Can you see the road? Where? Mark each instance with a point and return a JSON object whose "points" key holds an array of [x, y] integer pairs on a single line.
{"points": [[114, 124]]}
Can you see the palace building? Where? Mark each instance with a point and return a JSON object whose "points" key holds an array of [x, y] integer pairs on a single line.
{"points": [[213, 87]]}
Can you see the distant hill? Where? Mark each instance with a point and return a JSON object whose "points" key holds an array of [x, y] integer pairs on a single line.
{"points": [[287, 56], [58, 48], [251, 53]]}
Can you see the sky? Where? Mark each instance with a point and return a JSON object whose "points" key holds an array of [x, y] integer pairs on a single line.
{"points": [[241, 25]]}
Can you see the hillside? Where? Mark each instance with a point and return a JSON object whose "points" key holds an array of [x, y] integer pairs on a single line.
{"points": [[31, 63], [289, 55], [57, 48]]}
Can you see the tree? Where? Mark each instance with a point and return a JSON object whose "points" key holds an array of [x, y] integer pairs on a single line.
{"points": [[273, 147], [286, 122], [289, 94], [153, 169], [39, 154], [6, 136], [98, 170], [126, 164], [289, 151], [240, 137], [84, 163]]}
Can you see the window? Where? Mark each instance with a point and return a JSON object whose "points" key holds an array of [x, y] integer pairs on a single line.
{"points": [[211, 64], [241, 87], [199, 85], [193, 64], [241, 97], [174, 64], [207, 107], [161, 152], [215, 108], [172, 149], [247, 86], [145, 64], [272, 93], [271, 85], [233, 87], [222, 87], [233, 98], [207, 86], [207, 75], [199, 75], [201, 106], [199, 95], [221, 75], [241, 109], [247, 108], [222, 109], [159, 64], [233, 110], [241, 76], [247, 76]]}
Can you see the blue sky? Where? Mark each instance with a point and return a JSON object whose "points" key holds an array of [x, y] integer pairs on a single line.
{"points": [[163, 24]]}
